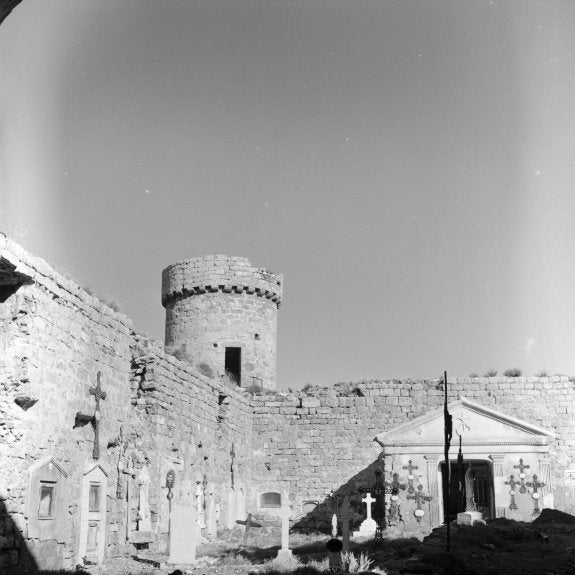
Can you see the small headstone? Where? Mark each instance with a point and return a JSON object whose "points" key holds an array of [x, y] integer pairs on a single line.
{"points": [[144, 515], [183, 535], [334, 547]]}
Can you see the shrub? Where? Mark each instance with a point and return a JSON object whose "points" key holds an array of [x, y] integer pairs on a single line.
{"points": [[284, 564], [542, 373], [512, 372], [490, 373], [205, 369], [473, 374], [352, 564]]}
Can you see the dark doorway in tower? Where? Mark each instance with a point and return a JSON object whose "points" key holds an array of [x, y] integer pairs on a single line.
{"points": [[470, 488], [234, 364]]}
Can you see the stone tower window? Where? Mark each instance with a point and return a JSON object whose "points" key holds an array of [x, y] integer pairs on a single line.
{"points": [[234, 364]]}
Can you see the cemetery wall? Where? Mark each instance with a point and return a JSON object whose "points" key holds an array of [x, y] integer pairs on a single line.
{"points": [[55, 338], [322, 440], [200, 427]]}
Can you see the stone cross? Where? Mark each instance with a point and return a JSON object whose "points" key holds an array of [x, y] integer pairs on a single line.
{"points": [[285, 512], [249, 523], [522, 467], [512, 483], [82, 419], [535, 495], [368, 500]]}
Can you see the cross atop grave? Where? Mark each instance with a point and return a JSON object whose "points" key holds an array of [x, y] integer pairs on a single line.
{"points": [[522, 467], [368, 500], [249, 523], [410, 477], [535, 495], [512, 483], [419, 499], [82, 418], [285, 513]]}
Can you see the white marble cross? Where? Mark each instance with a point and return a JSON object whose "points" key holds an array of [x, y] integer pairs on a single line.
{"points": [[368, 500]]}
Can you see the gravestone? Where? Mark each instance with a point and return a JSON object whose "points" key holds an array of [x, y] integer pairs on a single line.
{"points": [[144, 516], [211, 520], [183, 536], [285, 552], [368, 525], [345, 515]]}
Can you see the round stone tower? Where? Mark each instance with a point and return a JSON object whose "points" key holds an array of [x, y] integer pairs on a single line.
{"points": [[221, 316]]}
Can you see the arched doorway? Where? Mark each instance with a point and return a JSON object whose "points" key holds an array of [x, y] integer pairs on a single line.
{"points": [[470, 488]]}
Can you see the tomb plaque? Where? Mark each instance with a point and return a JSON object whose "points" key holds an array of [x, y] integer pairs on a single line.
{"points": [[183, 535]]}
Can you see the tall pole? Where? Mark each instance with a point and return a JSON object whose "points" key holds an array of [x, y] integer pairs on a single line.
{"points": [[448, 428]]}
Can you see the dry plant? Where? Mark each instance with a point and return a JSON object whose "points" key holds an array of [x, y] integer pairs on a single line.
{"points": [[353, 564]]}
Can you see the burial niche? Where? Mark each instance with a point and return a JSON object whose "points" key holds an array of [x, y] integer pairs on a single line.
{"points": [[93, 515], [270, 500], [48, 511]]}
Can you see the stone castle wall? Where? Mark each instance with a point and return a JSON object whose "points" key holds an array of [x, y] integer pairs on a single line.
{"points": [[158, 414], [215, 302], [322, 440]]}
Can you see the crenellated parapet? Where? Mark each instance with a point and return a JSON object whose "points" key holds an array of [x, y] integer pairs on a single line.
{"points": [[219, 273]]}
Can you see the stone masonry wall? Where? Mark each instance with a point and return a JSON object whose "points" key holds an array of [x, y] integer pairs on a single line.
{"points": [[55, 338], [200, 427], [214, 302], [323, 440]]}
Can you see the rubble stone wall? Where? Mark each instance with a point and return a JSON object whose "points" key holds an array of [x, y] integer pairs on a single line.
{"points": [[215, 302], [55, 338]]}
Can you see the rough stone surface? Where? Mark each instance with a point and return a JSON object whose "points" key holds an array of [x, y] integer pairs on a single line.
{"points": [[225, 447]]}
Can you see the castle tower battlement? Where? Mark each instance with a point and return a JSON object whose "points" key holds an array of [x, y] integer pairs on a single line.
{"points": [[221, 316]]}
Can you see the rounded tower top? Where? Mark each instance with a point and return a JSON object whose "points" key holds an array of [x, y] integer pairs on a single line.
{"points": [[219, 273]]}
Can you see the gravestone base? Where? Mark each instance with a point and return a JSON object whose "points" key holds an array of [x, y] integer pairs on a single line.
{"points": [[366, 529], [469, 517], [285, 554]]}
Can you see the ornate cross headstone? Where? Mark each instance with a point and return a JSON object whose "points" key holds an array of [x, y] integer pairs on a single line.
{"points": [[512, 483], [522, 467], [82, 418], [249, 523], [419, 498], [393, 487], [535, 495], [410, 477]]}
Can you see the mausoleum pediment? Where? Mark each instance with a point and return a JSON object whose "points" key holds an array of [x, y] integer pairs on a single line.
{"points": [[480, 427]]}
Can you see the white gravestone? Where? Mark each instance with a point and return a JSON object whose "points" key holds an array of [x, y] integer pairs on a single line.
{"points": [[368, 525], [144, 516], [334, 525], [285, 512], [183, 536]]}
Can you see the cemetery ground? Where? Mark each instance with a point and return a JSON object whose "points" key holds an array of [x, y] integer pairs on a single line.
{"points": [[502, 547]]}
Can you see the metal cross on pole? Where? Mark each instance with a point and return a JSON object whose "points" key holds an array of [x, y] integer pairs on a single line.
{"points": [[448, 432], [82, 418]]}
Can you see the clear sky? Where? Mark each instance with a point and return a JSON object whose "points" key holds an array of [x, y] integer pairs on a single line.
{"points": [[409, 166]]}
